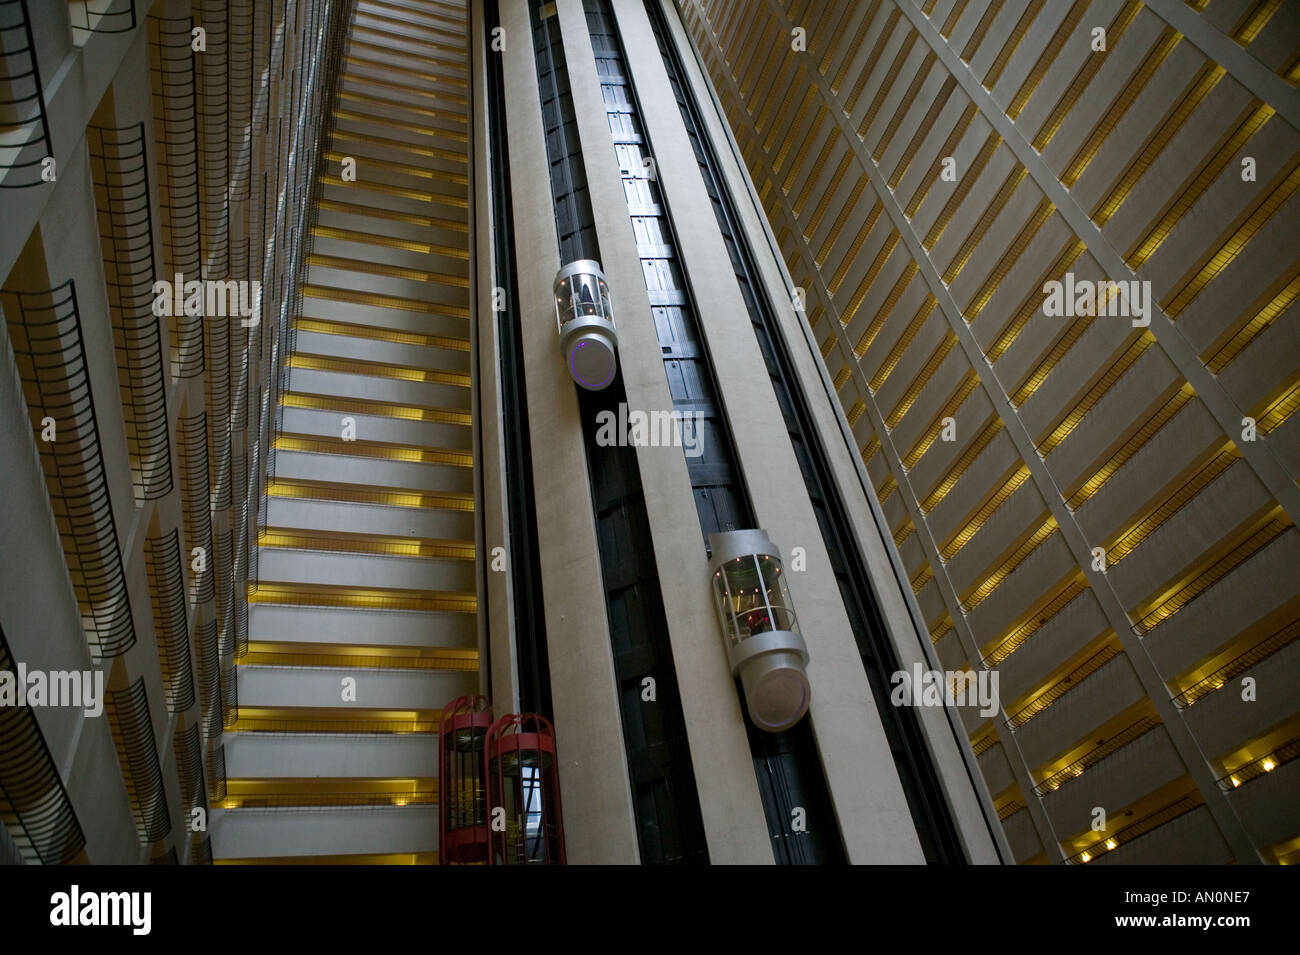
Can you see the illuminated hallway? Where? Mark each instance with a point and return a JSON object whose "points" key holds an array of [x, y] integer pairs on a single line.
{"points": [[362, 620]]}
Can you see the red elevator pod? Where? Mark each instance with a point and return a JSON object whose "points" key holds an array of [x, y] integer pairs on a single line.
{"points": [[462, 813], [523, 776]]}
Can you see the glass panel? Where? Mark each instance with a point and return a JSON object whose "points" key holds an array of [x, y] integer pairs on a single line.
{"points": [[726, 615], [587, 294], [564, 302], [753, 594]]}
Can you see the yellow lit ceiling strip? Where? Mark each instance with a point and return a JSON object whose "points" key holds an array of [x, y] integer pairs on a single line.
{"points": [[1120, 107], [828, 194], [1163, 415], [356, 96], [887, 82], [1280, 409], [960, 466], [392, 242], [415, 195], [1051, 694], [1176, 601], [786, 122], [363, 543], [1197, 684], [355, 366], [383, 301], [305, 489], [854, 44], [1046, 58], [905, 105], [1033, 302], [908, 397], [909, 333], [433, 132], [1014, 640], [379, 333], [1056, 118], [1253, 325], [964, 186], [335, 719], [361, 598], [963, 535], [1130, 538], [842, 377], [833, 138], [1207, 79], [851, 307], [401, 146], [851, 254], [393, 271], [941, 629], [387, 66], [950, 408], [1255, 20], [381, 41], [371, 80], [797, 164], [921, 578], [851, 101], [377, 408], [855, 412], [1032, 9], [985, 221], [982, 592], [457, 661], [318, 444], [401, 27], [886, 489], [1008, 259], [981, 30], [1257, 117], [1177, 302], [371, 212], [923, 130], [886, 307], [1085, 404], [932, 174], [829, 345], [954, 15]]}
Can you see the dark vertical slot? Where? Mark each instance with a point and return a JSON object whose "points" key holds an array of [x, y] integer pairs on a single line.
{"points": [[787, 766], [930, 812], [669, 824], [521, 506]]}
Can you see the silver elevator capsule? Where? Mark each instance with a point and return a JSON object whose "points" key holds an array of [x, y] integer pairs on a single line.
{"points": [[759, 628], [585, 320]]}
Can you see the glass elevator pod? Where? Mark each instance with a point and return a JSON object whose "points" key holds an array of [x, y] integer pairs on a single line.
{"points": [[759, 628], [585, 320], [524, 792], [462, 816]]}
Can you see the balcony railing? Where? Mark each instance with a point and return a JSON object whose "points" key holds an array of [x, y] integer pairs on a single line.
{"points": [[24, 127], [1238, 665], [1260, 767], [1096, 755]]}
